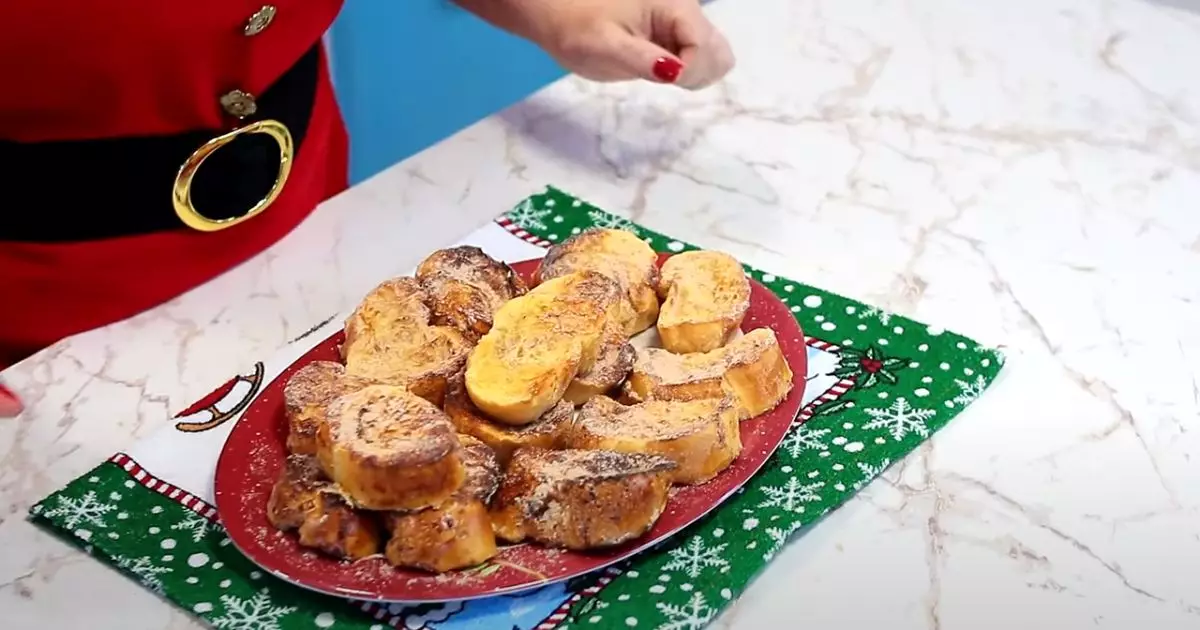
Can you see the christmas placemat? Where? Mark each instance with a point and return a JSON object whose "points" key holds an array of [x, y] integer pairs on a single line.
{"points": [[878, 385]]}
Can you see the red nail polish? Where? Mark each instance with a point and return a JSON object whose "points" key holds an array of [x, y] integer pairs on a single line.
{"points": [[10, 405], [667, 69]]}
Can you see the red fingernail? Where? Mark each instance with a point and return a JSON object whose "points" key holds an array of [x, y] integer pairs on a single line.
{"points": [[667, 69], [10, 405]]}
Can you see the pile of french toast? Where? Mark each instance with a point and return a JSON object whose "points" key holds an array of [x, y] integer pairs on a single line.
{"points": [[471, 409]]}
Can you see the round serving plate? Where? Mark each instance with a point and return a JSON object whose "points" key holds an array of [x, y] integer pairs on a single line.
{"points": [[254, 455]]}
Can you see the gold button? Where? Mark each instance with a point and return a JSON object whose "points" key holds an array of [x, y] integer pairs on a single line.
{"points": [[259, 22], [238, 103]]}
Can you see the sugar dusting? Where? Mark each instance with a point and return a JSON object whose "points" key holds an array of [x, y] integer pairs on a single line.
{"points": [[515, 567]]}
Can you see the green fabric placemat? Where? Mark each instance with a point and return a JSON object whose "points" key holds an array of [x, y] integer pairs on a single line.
{"points": [[902, 381]]}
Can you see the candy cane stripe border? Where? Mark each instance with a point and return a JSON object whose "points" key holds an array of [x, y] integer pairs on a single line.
{"points": [[520, 233], [203, 508]]}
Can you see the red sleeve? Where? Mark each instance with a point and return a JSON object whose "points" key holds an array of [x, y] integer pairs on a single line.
{"points": [[81, 69]]}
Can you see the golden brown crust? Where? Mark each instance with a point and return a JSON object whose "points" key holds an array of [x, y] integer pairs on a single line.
{"points": [[538, 344], [303, 500], [505, 439], [390, 450], [751, 371], [456, 534], [702, 436], [389, 339], [706, 295], [612, 365], [306, 398], [466, 287], [578, 499], [619, 255], [481, 470]]}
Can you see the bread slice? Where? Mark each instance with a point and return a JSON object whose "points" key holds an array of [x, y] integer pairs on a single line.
{"points": [[538, 343], [706, 295], [306, 398], [612, 365], [618, 254], [505, 439], [303, 499], [456, 534], [578, 499], [466, 287], [700, 436], [751, 371], [390, 450], [390, 339]]}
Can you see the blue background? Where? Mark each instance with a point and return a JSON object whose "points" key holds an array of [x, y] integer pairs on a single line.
{"points": [[409, 73]]}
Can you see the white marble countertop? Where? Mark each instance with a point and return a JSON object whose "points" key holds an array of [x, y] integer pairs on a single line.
{"points": [[1023, 172]]}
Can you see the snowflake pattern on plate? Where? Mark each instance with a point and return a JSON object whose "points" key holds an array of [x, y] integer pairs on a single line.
{"points": [[925, 376]]}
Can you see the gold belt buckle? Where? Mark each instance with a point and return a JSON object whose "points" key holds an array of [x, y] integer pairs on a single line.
{"points": [[182, 194]]}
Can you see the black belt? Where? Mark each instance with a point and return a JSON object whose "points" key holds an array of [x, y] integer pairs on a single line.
{"points": [[92, 189]]}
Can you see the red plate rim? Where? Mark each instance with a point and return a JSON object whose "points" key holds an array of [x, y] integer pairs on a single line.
{"points": [[254, 452]]}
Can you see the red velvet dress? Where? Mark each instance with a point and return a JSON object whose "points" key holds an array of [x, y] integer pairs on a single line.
{"points": [[95, 72]]}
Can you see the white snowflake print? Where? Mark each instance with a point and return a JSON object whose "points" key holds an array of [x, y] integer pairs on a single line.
{"points": [[778, 537], [870, 472], [693, 615], [792, 495], [146, 571], [883, 316], [900, 419], [194, 523], [255, 613], [805, 439], [694, 557], [529, 216], [605, 220], [84, 510], [970, 390]]}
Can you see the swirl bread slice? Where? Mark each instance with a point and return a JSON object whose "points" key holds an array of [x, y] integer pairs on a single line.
{"points": [[505, 439], [700, 436], [580, 500], [619, 255], [456, 534], [390, 450], [538, 343], [751, 371], [706, 296], [466, 287], [390, 339], [303, 499], [306, 398]]}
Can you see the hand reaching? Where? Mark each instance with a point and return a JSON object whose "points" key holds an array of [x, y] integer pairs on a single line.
{"points": [[667, 41]]}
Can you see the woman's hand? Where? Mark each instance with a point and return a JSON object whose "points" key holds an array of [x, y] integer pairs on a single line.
{"points": [[10, 405], [667, 41]]}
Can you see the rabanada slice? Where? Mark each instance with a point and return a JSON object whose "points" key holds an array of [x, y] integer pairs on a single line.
{"points": [[701, 436], [306, 397], [619, 255], [303, 499], [505, 439], [388, 449], [705, 297], [466, 287], [390, 339], [538, 343], [751, 371], [577, 499], [457, 533]]}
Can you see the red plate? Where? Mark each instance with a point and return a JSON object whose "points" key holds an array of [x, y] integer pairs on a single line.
{"points": [[254, 454]]}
